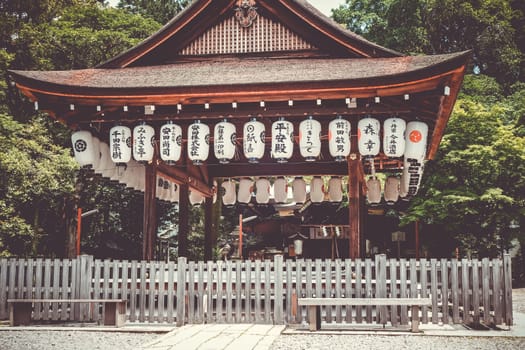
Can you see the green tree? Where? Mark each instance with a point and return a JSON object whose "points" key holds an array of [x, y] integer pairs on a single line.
{"points": [[160, 10]]}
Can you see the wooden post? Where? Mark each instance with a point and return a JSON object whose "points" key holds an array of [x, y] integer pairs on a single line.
{"points": [[150, 212], [354, 205], [240, 236], [79, 229], [209, 232], [416, 230], [184, 212]]}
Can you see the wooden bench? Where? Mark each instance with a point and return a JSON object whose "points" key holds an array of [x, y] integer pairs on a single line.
{"points": [[20, 309], [314, 307]]}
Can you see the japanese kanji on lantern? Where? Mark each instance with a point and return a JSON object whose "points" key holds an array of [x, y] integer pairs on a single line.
{"points": [[391, 192], [262, 190], [317, 190], [83, 148], [229, 196], [253, 140], [416, 140], [170, 142], [143, 143], [335, 189], [120, 144], [280, 190], [373, 193], [245, 190], [368, 137], [310, 139], [299, 190], [198, 142], [224, 141], [394, 137], [339, 138], [282, 140], [413, 169]]}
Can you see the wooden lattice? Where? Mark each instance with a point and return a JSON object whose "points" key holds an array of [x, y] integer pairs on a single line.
{"points": [[228, 37]]}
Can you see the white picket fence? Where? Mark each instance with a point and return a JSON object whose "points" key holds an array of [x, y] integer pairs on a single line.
{"points": [[462, 291]]}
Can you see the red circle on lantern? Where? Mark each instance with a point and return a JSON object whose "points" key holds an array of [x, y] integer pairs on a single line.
{"points": [[415, 136]]}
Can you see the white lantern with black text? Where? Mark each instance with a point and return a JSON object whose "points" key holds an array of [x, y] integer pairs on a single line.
{"points": [[299, 190], [143, 143], [262, 190], [339, 138], [253, 140], [368, 137], [414, 170], [317, 190], [282, 140], [280, 190], [175, 193], [170, 142], [198, 142], [310, 139], [416, 140], [120, 144], [229, 196], [373, 194], [335, 189], [83, 148], [196, 198], [394, 137], [224, 141], [245, 190]]}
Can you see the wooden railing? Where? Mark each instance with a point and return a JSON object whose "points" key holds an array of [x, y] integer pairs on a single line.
{"points": [[462, 291]]}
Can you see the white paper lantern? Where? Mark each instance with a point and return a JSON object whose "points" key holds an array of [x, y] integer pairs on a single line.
{"points": [[391, 192], [120, 144], [403, 184], [198, 142], [224, 141], [280, 190], [245, 190], [373, 194], [335, 189], [317, 190], [175, 193], [253, 140], [196, 198], [215, 190], [83, 148], [416, 140], [310, 139], [298, 246], [229, 196], [299, 190], [161, 191], [97, 161], [414, 171], [368, 137], [262, 190], [282, 140], [339, 138], [170, 143], [143, 143], [394, 137]]}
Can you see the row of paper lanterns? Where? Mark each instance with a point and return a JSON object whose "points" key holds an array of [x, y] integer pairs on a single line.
{"points": [[399, 138]]}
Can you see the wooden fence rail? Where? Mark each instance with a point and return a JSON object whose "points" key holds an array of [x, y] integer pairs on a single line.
{"points": [[462, 291]]}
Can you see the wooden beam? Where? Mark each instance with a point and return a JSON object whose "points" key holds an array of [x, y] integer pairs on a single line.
{"points": [[181, 177], [149, 230], [274, 169]]}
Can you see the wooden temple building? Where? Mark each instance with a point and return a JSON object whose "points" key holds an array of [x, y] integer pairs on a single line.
{"points": [[273, 60]]}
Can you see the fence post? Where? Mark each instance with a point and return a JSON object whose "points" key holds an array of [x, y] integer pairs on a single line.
{"points": [[278, 283], [380, 275], [181, 289], [507, 288]]}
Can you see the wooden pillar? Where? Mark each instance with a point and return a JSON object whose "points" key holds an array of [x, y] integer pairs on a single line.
{"points": [[209, 232], [184, 227], [354, 205], [150, 212]]}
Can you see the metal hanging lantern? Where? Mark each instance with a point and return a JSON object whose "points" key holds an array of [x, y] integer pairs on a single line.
{"points": [[317, 190], [416, 140], [335, 189], [245, 190], [262, 190], [310, 139], [120, 144], [280, 190], [170, 143], [253, 140], [339, 138], [229, 196], [282, 140], [83, 148], [373, 194], [224, 141], [299, 190], [198, 142], [391, 192], [196, 198], [368, 137], [394, 137], [143, 143]]}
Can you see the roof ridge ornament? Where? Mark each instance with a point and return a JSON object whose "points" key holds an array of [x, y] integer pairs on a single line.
{"points": [[245, 12]]}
